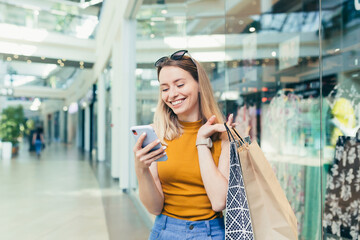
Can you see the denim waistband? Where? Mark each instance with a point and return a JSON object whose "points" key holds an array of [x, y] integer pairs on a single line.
{"points": [[165, 222]]}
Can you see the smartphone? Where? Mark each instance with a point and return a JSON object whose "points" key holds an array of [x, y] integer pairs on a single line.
{"points": [[150, 137]]}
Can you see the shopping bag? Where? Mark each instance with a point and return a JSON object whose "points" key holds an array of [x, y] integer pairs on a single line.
{"points": [[271, 214], [341, 211], [237, 219]]}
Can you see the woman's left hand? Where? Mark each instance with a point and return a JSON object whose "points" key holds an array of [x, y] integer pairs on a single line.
{"points": [[210, 127]]}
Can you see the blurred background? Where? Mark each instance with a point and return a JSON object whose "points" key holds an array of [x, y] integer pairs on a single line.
{"points": [[83, 71]]}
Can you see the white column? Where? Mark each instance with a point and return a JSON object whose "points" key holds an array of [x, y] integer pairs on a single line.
{"points": [[128, 100], [101, 145], [87, 129], [115, 110]]}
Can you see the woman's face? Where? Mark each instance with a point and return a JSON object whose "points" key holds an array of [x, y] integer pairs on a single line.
{"points": [[179, 91]]}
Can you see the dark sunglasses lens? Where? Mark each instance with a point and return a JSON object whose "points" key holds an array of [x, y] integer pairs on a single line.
{"points": [[178, 55], [161, 60]]}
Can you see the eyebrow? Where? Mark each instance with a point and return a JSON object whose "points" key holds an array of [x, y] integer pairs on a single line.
{"points": [[176, 80]]}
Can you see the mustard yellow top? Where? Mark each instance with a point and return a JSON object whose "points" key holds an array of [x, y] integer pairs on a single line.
{"points": [[180, 177]]}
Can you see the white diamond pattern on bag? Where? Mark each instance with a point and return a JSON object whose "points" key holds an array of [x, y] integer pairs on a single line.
{"points": [[238, 221]]}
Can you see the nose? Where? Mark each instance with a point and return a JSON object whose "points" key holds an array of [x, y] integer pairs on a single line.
{"points": [[172, 93]]}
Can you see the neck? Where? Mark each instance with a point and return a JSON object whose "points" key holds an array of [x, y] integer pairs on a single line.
{"points": [[189, 118]]}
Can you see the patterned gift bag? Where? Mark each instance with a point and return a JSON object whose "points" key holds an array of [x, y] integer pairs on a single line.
{"points": [[342, 200], [238, 221]]}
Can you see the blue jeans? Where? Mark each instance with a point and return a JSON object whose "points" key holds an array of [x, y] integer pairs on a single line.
{"points": [[168, 228], [38, 145]]}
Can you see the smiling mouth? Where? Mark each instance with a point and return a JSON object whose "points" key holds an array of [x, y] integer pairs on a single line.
{"points": [[177, 102]]}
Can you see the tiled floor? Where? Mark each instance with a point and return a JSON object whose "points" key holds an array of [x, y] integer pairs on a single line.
{"points": [[63, 195]]}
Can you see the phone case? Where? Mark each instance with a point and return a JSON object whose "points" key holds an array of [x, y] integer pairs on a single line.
{"points": [[150, 137]]}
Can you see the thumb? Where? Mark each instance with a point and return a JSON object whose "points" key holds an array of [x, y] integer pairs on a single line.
{"points": [[211, 120]]}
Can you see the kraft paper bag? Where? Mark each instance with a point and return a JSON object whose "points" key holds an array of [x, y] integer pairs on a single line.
{"points": [[271, 214]]}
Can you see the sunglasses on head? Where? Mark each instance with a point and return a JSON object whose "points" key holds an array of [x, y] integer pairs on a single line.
{"points": [[178, 55]]}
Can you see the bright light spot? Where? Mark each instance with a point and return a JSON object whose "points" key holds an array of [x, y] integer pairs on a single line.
{"points": [[152, 35], [273, 53], [164, 11], [8, 59], [230, 95], [48, 69], [65, 108], [84, 104], [252, 29], [36, 12], [28, 61], [139, 71], [37, 102], [157, 19], [154, 83], [18, 80], [34, 108], [152, 23], [338, 49], [73, 108], [86, 29]]}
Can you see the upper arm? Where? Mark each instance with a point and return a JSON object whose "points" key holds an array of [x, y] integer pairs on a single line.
{"points": [[155, 175], [224, 160]]}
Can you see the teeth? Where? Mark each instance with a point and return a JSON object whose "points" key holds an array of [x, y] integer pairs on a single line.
{"points": [[177, 102]]}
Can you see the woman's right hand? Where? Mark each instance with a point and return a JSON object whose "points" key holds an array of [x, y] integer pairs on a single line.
{"points": [[143, 157]]}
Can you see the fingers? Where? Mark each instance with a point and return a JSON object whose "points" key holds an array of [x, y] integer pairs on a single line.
{"points": [[146, 159], [211, 120], [139, 142], [154, 155], [230, 120], [150, 146]]}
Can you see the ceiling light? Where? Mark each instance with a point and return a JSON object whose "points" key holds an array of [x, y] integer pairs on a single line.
{"points": [[59, 61], [152, 35], [28, 61], [273, 53], [81, 67], [16, 56], [34, 108], [164, 11], [252, 29], [81, 63], [42, 58], [65, 108], [64, 60], [8, 59]]}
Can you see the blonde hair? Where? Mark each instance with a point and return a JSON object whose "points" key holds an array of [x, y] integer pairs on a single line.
{"points": [[166, 122]]}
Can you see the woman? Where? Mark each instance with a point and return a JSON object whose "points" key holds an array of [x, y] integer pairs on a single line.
{"points": [[188, 191], [38, 140]]}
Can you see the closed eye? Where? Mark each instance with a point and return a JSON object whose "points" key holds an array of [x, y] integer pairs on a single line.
{"points": [[164, 89], [180, 85]]}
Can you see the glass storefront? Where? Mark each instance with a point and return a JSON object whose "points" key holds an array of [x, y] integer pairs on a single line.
{"points": [[289, 72]]}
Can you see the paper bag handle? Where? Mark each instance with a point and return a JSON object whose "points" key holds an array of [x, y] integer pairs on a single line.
{"points": [[231, 136]]}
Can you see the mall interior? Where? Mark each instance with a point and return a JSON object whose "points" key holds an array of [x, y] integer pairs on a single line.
{"points": [[83, 72]]}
